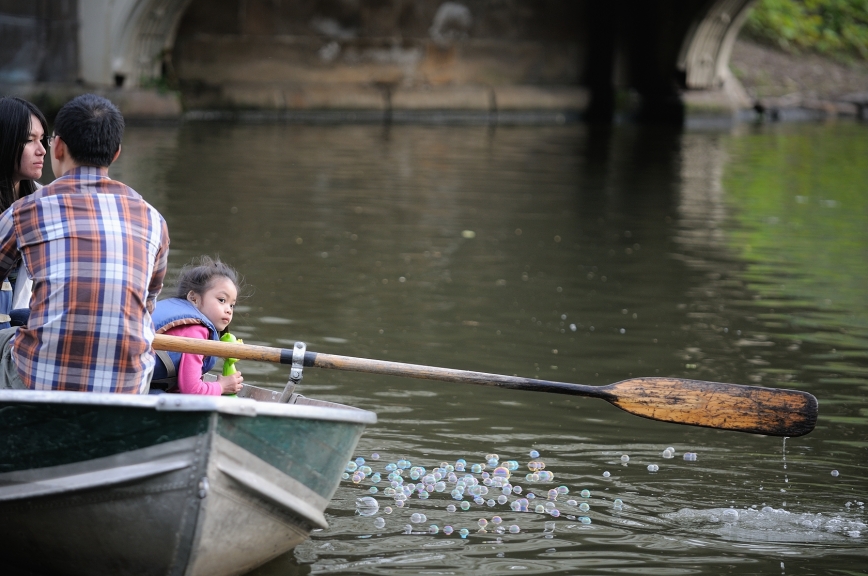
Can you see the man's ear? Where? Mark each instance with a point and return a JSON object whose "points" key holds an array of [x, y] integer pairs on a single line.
{"points": [[58, 148], [118, 153]]}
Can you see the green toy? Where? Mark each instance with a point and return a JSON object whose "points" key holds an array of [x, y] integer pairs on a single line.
{"points": [[229, 363]]}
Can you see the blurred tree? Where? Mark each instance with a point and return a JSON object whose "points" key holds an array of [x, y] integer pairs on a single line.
{"points": [[831, 27]]}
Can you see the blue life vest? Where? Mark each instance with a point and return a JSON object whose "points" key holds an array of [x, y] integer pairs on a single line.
{"points": [[168, 314]]}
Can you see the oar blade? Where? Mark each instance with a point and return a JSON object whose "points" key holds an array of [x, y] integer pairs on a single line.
{"points": [[754, 409]]}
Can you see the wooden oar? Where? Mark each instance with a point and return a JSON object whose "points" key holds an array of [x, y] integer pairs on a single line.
{"points": [[754, 409]]}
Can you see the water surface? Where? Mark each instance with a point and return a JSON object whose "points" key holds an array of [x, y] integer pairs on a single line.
{"points": [[565, 253]]}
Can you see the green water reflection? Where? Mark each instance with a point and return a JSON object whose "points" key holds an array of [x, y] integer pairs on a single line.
{"points": [[567, 253]]}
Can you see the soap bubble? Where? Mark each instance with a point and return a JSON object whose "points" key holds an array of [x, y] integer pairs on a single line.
{"points": [[668, 453], [387, 510], [451, 508], [482, 522], [730, 515], [490, 502], [423, 495], [553, 494], [359, 461], [502, 499], [465, 505], [690, 456], [653, 467], [516, 489], [345, 476], [555, 512], [408, 529], [433, 529], [834, 472], [351, 466], [563, 490], [618, 503], [533, 454], [571, 503], [399, 503], [586, 493], [585, 520], [403, 464], [373, 490], [448, 530], [512, 465], [531, 495], [367, 506], [478, 500], [379, 523], [606, 474], [501, 473], [625, 458], [514, 529], [463, 532], [375, 456], [496, 520], [539, 509], [584, 507], [476, 468]]}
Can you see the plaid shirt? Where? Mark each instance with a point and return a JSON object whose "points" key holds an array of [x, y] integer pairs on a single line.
{"points": [[97, 254]]}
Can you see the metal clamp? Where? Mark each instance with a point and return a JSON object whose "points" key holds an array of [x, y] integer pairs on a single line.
{"points": [[295, 374]]}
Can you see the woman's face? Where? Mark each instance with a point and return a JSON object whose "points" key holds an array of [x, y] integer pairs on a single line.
{"points": [[33, 157]]}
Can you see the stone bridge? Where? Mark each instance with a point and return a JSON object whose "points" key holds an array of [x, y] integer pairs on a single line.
{"points": [[386, 57]]}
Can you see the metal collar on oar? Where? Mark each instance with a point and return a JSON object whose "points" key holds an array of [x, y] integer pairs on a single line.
{"points": [[295, 373]]}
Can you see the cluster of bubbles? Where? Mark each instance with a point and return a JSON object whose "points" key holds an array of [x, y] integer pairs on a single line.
{"points": [[488, 483], [485, 484]]}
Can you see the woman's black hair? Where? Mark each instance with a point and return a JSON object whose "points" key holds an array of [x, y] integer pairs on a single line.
{"points": [[199, 276], [15, 130]]}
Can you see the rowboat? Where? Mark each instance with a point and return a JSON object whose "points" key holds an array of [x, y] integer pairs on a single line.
{"points": [[165, 484]]}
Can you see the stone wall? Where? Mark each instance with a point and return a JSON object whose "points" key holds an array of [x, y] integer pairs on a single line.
{"points": [[38, 41], [381, 54]]}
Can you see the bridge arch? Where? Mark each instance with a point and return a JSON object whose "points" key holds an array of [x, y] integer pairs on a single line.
{"points": [[707, 46], [124, 43]]}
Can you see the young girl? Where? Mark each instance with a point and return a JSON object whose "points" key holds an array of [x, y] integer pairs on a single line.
{"points": [[202, 308]]}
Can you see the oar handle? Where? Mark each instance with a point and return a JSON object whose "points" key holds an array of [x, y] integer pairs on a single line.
{"points": [[347, 363]]}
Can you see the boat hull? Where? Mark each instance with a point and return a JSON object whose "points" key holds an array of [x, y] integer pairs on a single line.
{"points": [[102, 484]]}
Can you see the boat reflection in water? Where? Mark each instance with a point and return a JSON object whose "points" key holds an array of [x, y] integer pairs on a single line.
{"points": [[165, 484]]}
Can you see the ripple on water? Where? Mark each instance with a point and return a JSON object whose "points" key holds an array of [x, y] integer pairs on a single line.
{"points": [[769, 524]]}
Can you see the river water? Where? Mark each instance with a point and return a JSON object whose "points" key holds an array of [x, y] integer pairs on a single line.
{"points": [[569, 253]]}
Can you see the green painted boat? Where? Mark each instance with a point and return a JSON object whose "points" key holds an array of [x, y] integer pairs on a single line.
{"points": [[165, 484]]}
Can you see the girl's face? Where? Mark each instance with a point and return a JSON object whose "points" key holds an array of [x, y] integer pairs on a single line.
{"points": [[217, 303], [33, 157]]}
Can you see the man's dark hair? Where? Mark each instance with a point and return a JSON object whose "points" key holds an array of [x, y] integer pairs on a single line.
{"points": [[92, 128]]}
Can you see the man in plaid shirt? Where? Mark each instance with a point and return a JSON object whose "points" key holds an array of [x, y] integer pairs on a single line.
{"points": [[96, 252]]}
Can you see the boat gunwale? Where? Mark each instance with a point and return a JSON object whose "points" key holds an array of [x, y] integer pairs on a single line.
{"points": [[191, 403]]}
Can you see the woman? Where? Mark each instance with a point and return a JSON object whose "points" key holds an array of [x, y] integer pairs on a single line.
{"points": [[23, 148]]}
